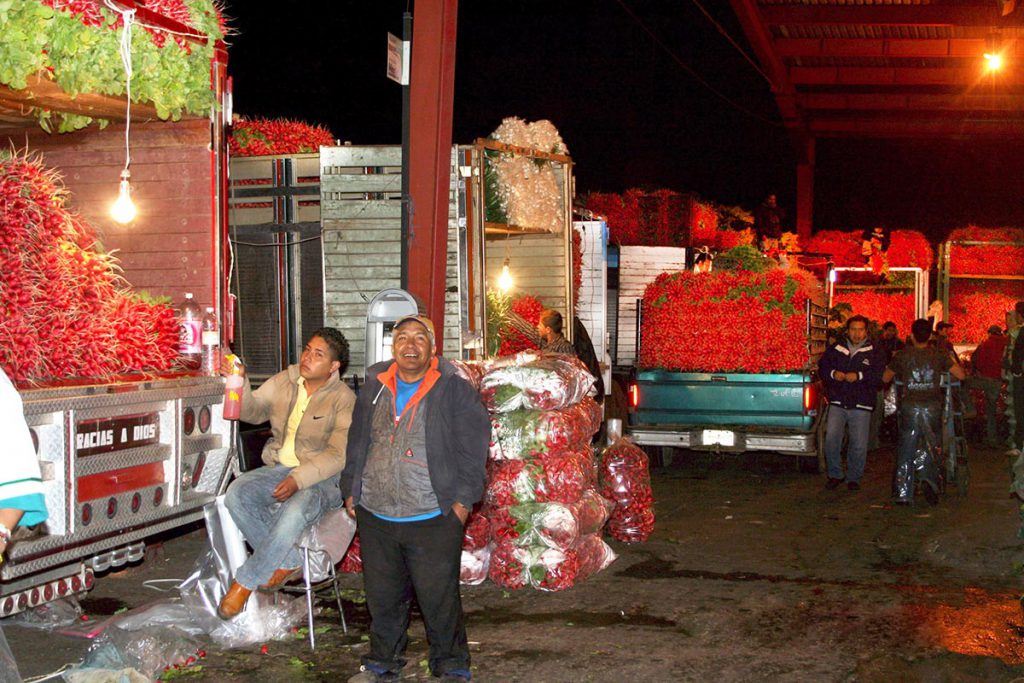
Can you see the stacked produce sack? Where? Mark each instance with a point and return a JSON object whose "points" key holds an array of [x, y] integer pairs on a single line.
{"points": [[542, 515]]}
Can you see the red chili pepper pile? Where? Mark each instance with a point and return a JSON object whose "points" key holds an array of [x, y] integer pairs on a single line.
{"points": [[976, 305], [881, 306], [907, 248], [655, 219], [625, 479], [64, 309], [726, 321], [987, 259], [512, 342], [264, 137]]}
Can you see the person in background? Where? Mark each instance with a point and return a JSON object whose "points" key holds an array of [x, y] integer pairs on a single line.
{"points": [[889, 343], [987, 361], [919, 369], [310, 410], [1017, 373], [851, 370], [416, 466], [1013, 327], [584, 349], [941, 338], [768, 221], [550, 330], [21, 484]]}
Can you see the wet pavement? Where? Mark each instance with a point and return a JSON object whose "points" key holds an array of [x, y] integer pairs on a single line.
{"points": [[754, 572]]}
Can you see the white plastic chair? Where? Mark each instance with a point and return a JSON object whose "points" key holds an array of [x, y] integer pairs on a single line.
{"points": [[323, 545]]}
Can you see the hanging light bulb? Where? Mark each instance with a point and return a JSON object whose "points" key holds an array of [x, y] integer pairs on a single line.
{"points": [[505, 279], [123, 210], [993, 61]]}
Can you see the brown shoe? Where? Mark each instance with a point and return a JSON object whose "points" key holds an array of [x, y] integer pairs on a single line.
{"points": [[234, 601], [280, 577]]}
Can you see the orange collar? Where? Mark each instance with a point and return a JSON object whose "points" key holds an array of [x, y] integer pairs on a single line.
{"points": [[389, 378]]}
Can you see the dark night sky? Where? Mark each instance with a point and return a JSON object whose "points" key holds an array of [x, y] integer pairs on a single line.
{"points": [[630, 115]]}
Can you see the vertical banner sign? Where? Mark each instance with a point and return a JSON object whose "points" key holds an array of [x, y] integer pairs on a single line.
{"points": [[398, 60]]}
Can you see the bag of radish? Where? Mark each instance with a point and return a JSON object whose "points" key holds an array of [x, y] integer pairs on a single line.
{"points": [[474, 565], [552, 525], [535, 382], [528, 433], [625, 479], [548, 569], [558, 479]]}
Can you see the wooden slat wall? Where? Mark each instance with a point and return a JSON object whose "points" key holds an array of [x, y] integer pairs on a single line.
{"points": [[638, 267], [306, 172], [168, 248], [361, 218], [537, 263], [592, 308]]}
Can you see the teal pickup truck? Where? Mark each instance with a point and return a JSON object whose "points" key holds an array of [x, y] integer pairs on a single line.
{"points": [[734, 412]]}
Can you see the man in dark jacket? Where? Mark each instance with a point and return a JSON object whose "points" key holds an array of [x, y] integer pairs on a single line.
{"points": [[852, 372], [1017, 382], [415, 466], [987, 361]]}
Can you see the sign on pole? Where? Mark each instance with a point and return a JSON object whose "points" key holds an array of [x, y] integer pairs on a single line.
{"points": [[398, 60]]}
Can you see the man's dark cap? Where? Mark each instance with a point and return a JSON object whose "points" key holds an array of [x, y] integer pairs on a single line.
{"points": [[942, 326], [995, 329]]}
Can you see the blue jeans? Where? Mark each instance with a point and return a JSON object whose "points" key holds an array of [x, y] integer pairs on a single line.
{"points": [[272, 528], [858, 423]]}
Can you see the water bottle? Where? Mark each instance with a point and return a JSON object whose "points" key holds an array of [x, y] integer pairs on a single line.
{"points": [[233, 389], [211, 344], [189, 333]]}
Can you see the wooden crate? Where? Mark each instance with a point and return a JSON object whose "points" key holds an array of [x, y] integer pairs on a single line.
{"points": [[638, 267], [361, 218], [274, 189]]}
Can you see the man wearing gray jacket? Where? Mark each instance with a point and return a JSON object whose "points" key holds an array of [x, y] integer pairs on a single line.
{"points": [[415, 467]]}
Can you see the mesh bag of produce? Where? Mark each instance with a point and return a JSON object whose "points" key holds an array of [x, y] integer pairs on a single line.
{"points": [[474, 566], [548, 569], [625, 479], [352, 563], [529, 433], [478, 531], [559, 479], [553, 525], [471, 371], [548, 382]]}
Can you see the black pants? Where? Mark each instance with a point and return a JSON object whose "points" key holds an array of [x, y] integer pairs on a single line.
{"points": [[400, 558], [1018, 412]]}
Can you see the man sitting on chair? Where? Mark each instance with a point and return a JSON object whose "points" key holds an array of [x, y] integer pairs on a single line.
{"points": [[310, 411]]}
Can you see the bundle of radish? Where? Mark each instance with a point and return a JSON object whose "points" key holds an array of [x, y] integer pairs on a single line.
{"points": [[65, 311]]}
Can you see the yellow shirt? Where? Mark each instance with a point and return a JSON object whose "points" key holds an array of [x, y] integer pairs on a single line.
{"points": [[286, 456]]}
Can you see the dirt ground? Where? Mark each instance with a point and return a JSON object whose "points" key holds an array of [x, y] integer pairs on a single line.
{"points": [[754, 572]]}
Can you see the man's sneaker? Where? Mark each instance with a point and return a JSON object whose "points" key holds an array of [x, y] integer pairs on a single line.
{"points": [[853, 486], [372, 675], [833, 484], [456, 676]]}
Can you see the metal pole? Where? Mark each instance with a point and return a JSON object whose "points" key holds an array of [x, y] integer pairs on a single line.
{"points": [[404, 236]]}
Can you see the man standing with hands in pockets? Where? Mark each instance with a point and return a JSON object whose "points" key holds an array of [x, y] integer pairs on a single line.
{"points": [[415, 466]]}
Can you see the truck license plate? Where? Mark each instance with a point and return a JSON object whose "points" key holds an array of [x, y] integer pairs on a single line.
{"points": [[721, 437]]}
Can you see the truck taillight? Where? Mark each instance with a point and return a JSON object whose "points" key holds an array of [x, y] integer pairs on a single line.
{"points": [[634, 395], [809, 396]]}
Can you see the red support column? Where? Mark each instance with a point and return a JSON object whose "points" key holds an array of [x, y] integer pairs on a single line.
{"points": [[432, 94], [805, 192]]}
